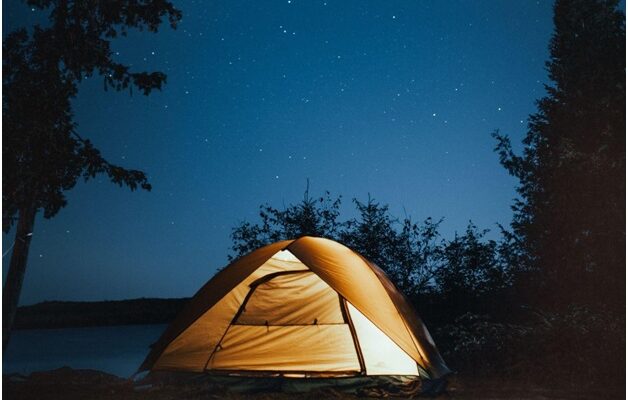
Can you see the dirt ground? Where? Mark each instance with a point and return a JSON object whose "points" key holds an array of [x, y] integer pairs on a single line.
{"points": [[66, 383]]}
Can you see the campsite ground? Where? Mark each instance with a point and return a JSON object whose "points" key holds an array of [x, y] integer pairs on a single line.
{"points": [[69, 384]]}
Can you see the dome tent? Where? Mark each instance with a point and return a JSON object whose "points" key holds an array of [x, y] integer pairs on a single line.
{"points": [[309, 307]]}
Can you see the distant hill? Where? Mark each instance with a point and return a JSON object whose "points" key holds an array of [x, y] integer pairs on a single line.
{"points": [[67, 314]]}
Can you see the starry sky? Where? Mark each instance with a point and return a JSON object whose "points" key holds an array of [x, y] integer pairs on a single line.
{"points": [[393, 98]]}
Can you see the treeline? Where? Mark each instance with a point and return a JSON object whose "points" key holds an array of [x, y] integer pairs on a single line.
{"points": [[71, 314], [464, 273]]}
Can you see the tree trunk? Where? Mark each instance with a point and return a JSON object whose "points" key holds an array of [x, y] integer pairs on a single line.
{"points": [[17, 269]]}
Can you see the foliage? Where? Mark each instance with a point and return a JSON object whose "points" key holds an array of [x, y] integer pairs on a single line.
{"points": [[405, 250], [580, 347], [473, 275], [570, 217], [464, 272], [43, 154], [473, 268], [311, 216], [472, 337]]}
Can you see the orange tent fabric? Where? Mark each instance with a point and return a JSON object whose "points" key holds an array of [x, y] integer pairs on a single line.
{"points": [[304, 307]]}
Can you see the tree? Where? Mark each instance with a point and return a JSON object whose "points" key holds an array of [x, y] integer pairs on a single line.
{"points": [[474, 273], [43, 154], [405, 250], [372, 234], [570, 216], [310, 217]]}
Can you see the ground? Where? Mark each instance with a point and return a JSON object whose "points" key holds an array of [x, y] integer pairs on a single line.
{"points": [[67, 383]]}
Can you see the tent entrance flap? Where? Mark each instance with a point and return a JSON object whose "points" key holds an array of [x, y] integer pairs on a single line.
{"points": [[291, 321]]}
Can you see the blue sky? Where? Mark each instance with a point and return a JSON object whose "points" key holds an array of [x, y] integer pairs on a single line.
{"points": [[397, 99]]}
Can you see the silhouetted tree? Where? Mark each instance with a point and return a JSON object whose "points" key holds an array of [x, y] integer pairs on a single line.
{"points": [[405, 250], [310, 217], [43, 154], [473, 271], [372, 233], [570, 217], [416, 256]]}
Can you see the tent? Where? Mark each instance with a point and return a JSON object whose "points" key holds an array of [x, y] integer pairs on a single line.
{"points": [[309, 307]]}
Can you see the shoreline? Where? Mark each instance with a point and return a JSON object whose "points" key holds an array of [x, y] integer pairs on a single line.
{"points": [[83, 314]]}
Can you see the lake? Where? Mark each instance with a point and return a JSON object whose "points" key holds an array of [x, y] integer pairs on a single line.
{"points": [[118, 350]]}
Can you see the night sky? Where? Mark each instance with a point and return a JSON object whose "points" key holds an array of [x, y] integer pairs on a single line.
{"points": [[395, 99]]}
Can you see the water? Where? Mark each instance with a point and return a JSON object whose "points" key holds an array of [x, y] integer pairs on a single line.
{"points": [[118, 350]]}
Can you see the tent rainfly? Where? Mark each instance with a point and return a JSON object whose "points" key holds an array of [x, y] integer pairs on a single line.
{"points": [[309, 307]]}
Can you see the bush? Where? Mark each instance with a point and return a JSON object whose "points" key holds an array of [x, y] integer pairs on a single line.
{"points": [[474, 339], [578, 347]]}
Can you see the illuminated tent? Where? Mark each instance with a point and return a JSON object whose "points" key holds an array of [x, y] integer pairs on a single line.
{"points": [[308, 307]]}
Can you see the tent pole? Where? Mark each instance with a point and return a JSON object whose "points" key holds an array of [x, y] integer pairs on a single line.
{"points": [[347, 317]]}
